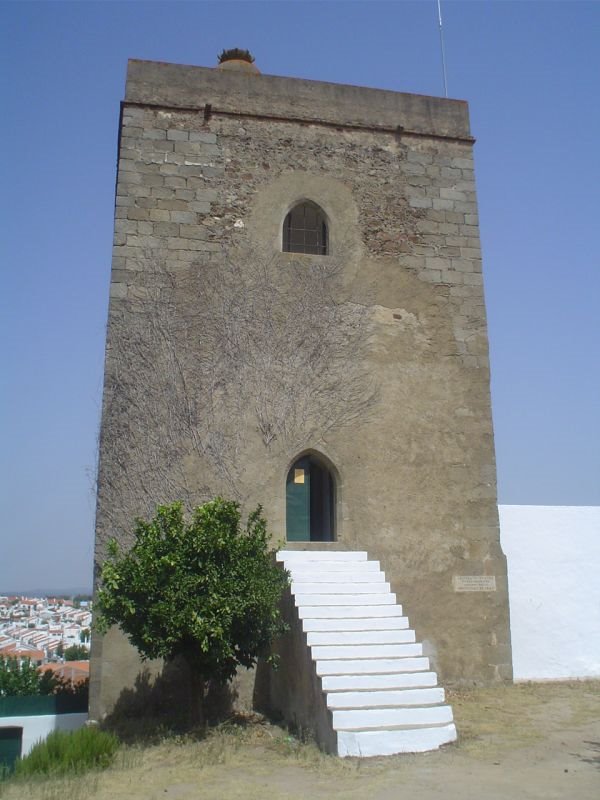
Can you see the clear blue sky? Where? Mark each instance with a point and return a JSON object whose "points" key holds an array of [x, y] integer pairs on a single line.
{"points": [[530, 72]]}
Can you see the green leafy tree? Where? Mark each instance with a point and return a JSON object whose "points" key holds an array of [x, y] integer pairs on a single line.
{"points": [[206, 591], [77, 652], [19, 677]]}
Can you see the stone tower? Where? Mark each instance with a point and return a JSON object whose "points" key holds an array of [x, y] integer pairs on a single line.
{"points": [[297, 319]]}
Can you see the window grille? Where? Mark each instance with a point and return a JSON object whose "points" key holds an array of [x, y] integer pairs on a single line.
{"points": [[305, 230]]}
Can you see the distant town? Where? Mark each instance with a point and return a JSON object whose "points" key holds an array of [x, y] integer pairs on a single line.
{"points": [[45, 630]]}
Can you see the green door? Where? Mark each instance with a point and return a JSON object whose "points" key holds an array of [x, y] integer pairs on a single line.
{"points": [[297, 492], [10, 748]]}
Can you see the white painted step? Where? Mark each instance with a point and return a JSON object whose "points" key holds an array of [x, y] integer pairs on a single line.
{"points": [[361, 637], [386, 697], [297, 556], [364, 718], [388, 743], [382, 695], [337, 579], [370, 666], [328, 576], [334, 567], [348, 612], [370, 651], [342, 588], [363, 624], [345, 599], [373, 681]]}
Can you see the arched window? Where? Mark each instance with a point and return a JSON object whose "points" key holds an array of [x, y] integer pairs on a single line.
{"points": [[310, 501], [305, 230]]}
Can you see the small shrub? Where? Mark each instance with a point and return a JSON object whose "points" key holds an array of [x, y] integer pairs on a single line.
{"points": [[69, 753]]}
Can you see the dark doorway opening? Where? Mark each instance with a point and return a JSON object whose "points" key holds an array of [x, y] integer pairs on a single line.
{"points": [[11, 742], [310, 502]]}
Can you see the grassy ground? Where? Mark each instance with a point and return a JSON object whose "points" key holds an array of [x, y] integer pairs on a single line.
{"points": [[526, 741], [492, 720]]}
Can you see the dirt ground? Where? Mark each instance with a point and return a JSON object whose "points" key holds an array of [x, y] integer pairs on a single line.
{"points": [[524, 742]]}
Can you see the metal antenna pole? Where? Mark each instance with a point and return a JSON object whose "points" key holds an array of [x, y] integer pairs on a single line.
{"points": [[439, 5]]}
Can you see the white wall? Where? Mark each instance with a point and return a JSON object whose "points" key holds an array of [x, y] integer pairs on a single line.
{"points": [[36, 728], [553, 557]]}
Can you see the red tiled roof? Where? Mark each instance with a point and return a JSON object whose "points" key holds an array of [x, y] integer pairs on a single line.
{"points": [[14, 651], [71, 670]]}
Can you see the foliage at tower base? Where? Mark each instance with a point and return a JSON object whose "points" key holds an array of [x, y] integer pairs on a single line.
{"points": [[206, 591], [19, 677]]}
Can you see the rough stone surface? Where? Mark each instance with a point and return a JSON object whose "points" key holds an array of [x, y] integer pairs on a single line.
{"points": [[227, 358]]}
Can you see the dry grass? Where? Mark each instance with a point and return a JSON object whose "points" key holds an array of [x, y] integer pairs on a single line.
{"points": [[76, 787], [511, 716]]}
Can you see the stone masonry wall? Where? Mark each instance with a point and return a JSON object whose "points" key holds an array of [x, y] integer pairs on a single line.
{"points": [[209, 385]]}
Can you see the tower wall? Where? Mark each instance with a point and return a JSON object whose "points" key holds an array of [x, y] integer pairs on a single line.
{"points": [[227, 358]]}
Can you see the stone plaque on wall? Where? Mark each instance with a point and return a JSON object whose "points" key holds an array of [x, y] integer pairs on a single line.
{"points": [[474, 583]]}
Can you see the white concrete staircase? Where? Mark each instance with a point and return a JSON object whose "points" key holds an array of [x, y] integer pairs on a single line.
{"points": [[382, 696]]}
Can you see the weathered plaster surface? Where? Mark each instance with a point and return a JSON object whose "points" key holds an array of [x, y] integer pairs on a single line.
{"points": [[553, 555], [37, 728]]}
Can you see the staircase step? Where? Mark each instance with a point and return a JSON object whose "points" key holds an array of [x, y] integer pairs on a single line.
{"points": [[336, 579], [365, 718], [387, 743], [334, 567], [370, 651], [364, 624], [345, 599], [386, 698], [297, 556], [341, 588], [382, 696], [349, 612], [371, 666], [360, 637], [374, 681]]}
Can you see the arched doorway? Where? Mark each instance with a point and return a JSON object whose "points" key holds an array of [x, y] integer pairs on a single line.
{"points": [[310, 501]]}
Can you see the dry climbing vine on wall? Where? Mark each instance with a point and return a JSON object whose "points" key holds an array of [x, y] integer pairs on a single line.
{"points": [[206, 357], [286, 344]]}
